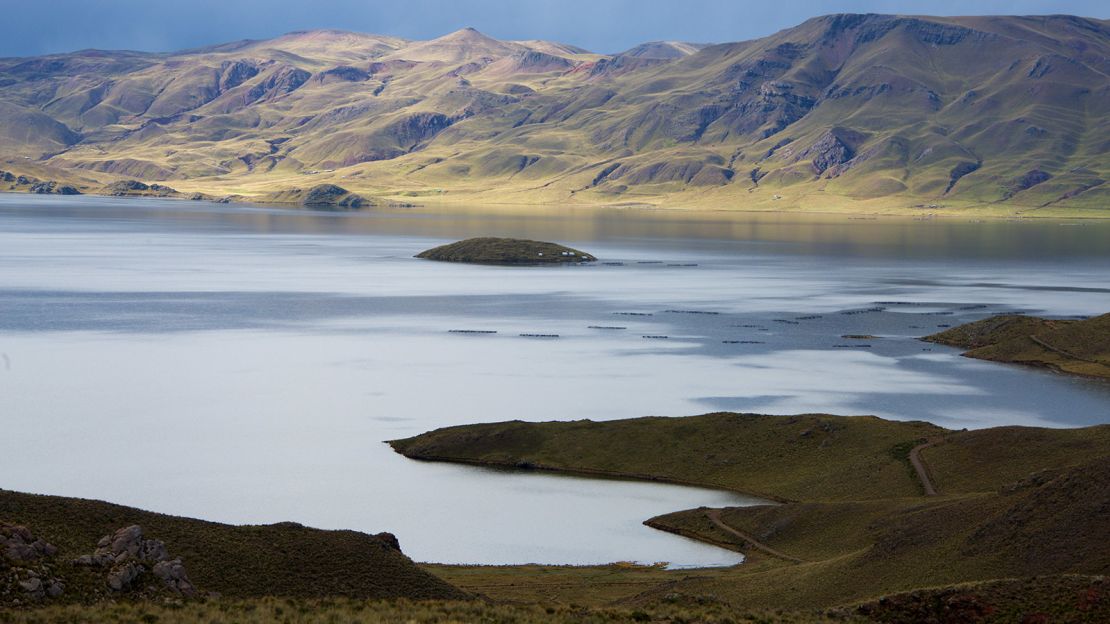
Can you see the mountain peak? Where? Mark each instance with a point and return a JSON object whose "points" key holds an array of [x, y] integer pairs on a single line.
{"points": [[463, 45]]}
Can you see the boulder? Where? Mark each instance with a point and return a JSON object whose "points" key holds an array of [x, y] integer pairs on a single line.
{"points": [[129, 556], [173, 576], [390, 540], [18, 544], [25, 566]]}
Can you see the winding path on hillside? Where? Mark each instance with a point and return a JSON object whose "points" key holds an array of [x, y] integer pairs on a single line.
{"points": [[921, 469], [714, 516]]}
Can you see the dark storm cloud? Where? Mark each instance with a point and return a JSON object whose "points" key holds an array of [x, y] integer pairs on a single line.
{"points": [[30, 28]]}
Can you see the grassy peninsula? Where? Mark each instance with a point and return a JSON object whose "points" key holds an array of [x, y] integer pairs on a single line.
{"points": [[1078, 347], [858, 519]]}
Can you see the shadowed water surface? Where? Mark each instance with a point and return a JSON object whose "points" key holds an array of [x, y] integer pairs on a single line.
{"points": [[244, 364]]}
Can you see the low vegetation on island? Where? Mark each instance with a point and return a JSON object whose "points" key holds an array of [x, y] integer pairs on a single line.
{"points": [[1079, 347], [506, 251]]}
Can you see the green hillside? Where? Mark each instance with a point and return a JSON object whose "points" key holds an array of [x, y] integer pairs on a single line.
{"points": [[1076, 347], [868, 113], [286, 559]]}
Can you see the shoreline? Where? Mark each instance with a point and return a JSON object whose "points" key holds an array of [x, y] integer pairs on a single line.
{"points": [[393, 203]]}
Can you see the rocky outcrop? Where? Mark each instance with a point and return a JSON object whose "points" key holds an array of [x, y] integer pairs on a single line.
{"points": [[132, 561], [331, 196], [342, 73], [960, 170], [129, 188], [26, 567], [1026, 181], [235, 73], [828, 151], [53, 188], [283, 80], [126, 187]]}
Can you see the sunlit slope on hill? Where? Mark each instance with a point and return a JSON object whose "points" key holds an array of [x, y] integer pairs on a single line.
{"points": [[873, 111]]}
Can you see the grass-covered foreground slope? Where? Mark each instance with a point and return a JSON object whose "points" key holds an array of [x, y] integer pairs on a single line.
{"points": [[235, 561], [1071, 598], [489, 250], [1077, 347], [864, 113], [1010, 502]]}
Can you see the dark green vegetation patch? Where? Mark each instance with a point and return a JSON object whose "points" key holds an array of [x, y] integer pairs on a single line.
{"points": [[511, 251]]}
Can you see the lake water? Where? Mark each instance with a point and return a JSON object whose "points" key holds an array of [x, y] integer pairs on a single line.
{"points": [[244, 364]]}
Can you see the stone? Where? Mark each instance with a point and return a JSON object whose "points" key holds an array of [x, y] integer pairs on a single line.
{"points": [[173, 575], [389, 540], [18, 544], [121, 577], [128, 555]]}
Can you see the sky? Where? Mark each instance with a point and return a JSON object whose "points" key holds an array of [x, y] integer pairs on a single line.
{"points": [[48, 26]]}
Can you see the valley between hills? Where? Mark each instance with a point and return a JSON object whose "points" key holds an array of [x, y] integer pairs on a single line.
{"points": [[984, 116]]}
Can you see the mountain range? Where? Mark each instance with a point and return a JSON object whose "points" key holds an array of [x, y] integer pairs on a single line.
{"points": [[844, 112]]}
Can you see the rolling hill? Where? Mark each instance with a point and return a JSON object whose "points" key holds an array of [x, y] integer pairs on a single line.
{"points": [[285, 559], [842, 112], [857, 518]]}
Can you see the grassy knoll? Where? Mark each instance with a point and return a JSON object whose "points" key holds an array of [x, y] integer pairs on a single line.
{"points": [[489, 250], [1013, 501], [811, 456], [1076, 347], [235, 561]]}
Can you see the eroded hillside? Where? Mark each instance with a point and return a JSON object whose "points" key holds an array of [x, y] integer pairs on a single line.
{"points": [[1007, 114]]}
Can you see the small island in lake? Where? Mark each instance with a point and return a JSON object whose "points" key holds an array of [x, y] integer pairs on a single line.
{"points": [[513, 251]]}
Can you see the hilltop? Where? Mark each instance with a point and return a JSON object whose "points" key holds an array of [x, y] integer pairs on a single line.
{"points": [[285, 559], [867, 113]]}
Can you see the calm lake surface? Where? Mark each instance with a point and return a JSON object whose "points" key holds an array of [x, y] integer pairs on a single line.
{"points": [[244, 365]]}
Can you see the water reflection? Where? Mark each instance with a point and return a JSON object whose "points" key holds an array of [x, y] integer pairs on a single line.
{"points": [[258, 357]]}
